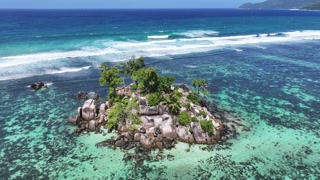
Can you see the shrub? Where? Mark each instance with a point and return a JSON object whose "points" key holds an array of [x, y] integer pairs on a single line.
{"points": [[154, 99], [133, 87], [132, 110], [210, 127], [173, 104], [190, 130], [203, 114], [133, 128], [133, 104], [116, 114], [165, 83], [194, 98], [178, 94], [194, 119], [207, 126], [188, 106], [184, 118], [136, 120]]}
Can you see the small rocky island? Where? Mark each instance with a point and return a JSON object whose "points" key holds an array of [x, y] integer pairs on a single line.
{"points": [[152, 112]]}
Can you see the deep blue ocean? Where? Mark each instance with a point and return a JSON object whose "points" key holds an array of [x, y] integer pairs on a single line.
{"points": [[261, 65]]}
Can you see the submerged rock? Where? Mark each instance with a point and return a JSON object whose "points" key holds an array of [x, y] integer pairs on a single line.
{"points": [[81, 95]]}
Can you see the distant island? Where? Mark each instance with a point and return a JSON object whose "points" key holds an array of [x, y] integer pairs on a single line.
{"points": [[152, 112], [284, 4]]}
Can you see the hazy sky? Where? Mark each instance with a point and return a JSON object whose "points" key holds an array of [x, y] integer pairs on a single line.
{"points": [[83, 4]]}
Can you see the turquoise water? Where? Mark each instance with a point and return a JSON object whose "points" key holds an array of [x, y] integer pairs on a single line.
{"points": [[271, 82]]}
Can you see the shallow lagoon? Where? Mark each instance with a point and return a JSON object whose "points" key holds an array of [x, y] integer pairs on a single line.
{"points": [[275, 95], [273, 87]]}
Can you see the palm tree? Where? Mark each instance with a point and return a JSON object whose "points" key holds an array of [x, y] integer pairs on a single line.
{"points": [[173, 104]]}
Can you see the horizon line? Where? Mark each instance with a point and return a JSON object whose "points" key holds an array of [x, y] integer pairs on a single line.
{"points": [[111, 8]]}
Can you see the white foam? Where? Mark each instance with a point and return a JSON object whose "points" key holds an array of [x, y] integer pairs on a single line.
{"points": [[158, 37], [29, 64], [66, 70], [9, 61], [198, 33], [238, 50], [48, 84], [24, 73], [190, 66]]}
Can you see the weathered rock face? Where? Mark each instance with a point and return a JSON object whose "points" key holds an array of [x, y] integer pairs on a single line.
{"points": [[166, 127], [143, 101], [159, 128], [185, 88], [199, 137], [184, 134], [147, 141], [36, 86], [73, 119], [102, 109], [92, 124], [89, 109], [151, 110]]}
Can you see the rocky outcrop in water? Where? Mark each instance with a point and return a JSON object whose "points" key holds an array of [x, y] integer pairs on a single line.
{"points": [[157, 127], [37, 85], [89, 117], [84, 95]]}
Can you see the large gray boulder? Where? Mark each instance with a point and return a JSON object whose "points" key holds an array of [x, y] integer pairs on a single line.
{"points": [[147, 141], [199, 137], [151, 110], [184, 134], [89, 109], [167, 128], [102, 109], [142, 101], [74, 119], [92, 125]]}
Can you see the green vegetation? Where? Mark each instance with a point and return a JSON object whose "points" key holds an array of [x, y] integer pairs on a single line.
{"points": [[203, 114], [194, 98], [173, 103], [157, 90], [184, 118], [115, 115], [207, 126], [188, 106], [165, 83], [194, 119], [147, 80], [133, 87], [110, 76], [133, 128], [190, 130], [198, 84], [133, 65], [154, 99], [132, 113]]}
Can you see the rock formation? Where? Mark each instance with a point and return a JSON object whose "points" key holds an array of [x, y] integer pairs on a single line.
{"points": [[37, 85], [158, 128]]}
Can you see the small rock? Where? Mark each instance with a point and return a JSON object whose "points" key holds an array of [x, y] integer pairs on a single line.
{"points": [[36, 86], [143, 130]]}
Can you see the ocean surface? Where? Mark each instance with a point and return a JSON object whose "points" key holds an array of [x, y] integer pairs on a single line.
{"points": [[261, 65]]}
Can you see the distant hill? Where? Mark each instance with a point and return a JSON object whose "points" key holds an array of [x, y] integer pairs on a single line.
{"points": [[313, 7], [283, 4]]}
